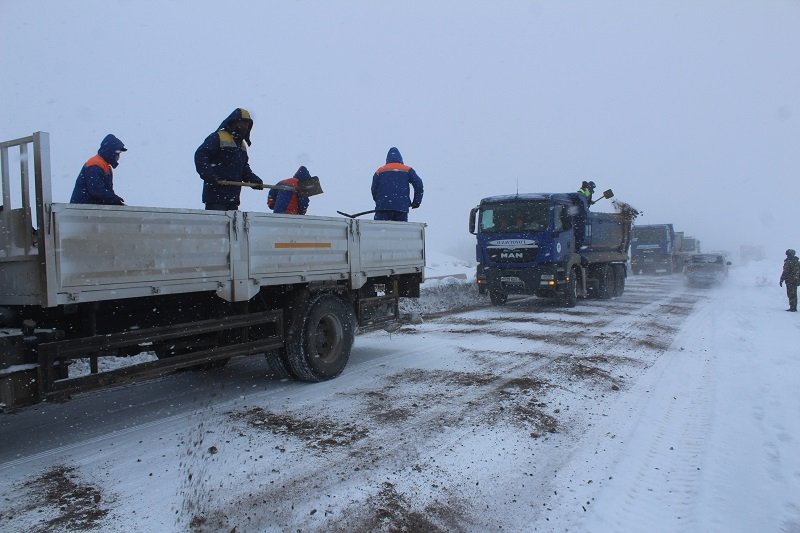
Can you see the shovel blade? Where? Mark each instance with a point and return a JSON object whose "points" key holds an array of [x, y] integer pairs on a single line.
{"points": [[309, 187], [608, 194]]}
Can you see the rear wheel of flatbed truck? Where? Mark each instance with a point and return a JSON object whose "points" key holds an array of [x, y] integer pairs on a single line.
{"points": [[320, 337]]}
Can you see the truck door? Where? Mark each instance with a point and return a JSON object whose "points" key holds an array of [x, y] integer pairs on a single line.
{"points": [[564, 237]]}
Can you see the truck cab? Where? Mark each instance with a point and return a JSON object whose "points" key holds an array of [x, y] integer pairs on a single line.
{"points": [[543, 244], [653, 249]]}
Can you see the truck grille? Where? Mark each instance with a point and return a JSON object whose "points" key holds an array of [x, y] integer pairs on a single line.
{"points": [[513, 255]]}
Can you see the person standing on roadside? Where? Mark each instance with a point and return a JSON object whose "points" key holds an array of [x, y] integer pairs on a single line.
{"points": [[390, 188], [223, 157], [791, 276]]}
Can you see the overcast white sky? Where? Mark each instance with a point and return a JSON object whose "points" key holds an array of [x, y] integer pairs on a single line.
{"points": [[689, 110]]}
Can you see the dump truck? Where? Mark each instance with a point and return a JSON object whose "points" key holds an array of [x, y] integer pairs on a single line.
{"points": [[655, 247], [192, 287], [549, 245], [691, 245]]}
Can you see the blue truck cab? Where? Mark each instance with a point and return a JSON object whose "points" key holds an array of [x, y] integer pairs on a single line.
{"points": [[654, 247], [549, 245]]}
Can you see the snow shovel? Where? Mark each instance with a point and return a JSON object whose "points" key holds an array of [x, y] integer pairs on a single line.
{"points": [[306, 187], [608, 193], [354, 215]]}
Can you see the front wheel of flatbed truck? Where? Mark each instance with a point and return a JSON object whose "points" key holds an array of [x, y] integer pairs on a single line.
{"points": [[320, 338]]}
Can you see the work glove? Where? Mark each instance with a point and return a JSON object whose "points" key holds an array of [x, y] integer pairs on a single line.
{"points": [[120, 200], [256, 180], [780, 283], [414, 205]]}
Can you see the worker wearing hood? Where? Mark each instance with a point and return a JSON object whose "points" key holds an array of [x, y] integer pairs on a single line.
{"points": [[391, 185], [290, 202], [95, 182], [223, 156]]}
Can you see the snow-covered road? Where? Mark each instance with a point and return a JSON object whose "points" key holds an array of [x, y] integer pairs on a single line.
{"points": [[667, 409]]}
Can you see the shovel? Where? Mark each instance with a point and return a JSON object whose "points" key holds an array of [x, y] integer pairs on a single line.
{"points": [[354, 215], [306, 187], [608, 193]]}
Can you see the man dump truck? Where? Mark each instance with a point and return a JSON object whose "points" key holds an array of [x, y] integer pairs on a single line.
{"points": [[655, 247], [551, 246], [194, 287]]}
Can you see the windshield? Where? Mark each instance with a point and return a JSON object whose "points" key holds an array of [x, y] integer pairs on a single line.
{"points": [[707, 259], [515, 216], [648, 234]]}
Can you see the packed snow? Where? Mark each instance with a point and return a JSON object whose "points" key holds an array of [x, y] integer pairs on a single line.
{"points": [[667, 409]]}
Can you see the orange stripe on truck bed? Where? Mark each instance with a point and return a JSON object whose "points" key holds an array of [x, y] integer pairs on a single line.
{"points": [[302, 245]]}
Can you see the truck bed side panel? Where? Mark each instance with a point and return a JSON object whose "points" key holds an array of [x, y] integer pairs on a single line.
{"points": [[291, 248], [96, 248], [391, 247]]}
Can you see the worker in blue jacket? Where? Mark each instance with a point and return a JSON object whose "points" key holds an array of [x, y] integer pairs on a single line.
{"points": [[223, 156], [390, 188], [95, 182]]}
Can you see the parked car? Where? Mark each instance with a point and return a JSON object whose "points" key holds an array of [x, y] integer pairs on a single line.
{"points": [[706, 269]]}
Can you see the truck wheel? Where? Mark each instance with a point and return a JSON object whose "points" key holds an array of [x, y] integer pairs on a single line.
{"points": [[498, 297], [619, 280], [605, 282], [320, 339], [278, 364], [569, 297]]}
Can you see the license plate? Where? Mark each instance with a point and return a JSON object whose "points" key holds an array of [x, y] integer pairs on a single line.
{"points": [[510, 279]]}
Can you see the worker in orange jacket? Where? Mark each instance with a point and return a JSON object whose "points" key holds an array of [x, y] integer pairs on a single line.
{"points": [[290, 202]]}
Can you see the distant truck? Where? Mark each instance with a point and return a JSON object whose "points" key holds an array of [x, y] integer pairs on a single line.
{"points": [[656, 247], [194, 287], [691, 245], [549, 245]]}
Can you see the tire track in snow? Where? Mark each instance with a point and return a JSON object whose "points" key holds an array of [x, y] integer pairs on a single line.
{"points": [[655, 464]]}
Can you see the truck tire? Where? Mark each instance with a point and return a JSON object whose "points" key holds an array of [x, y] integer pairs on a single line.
{"points": [[498, 297], [619, 280], [279, 364], [320, 338], [605, 282], [569, 296]]}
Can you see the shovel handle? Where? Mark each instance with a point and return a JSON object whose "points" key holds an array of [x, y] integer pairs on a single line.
{"points": [[255, 185]]}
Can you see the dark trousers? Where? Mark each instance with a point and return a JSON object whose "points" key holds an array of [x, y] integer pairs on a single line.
{"points": [[222, 207], [791, 292], [398, 216]]}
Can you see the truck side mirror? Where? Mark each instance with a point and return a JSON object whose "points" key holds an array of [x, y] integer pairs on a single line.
{"points": [[472, 213]]}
